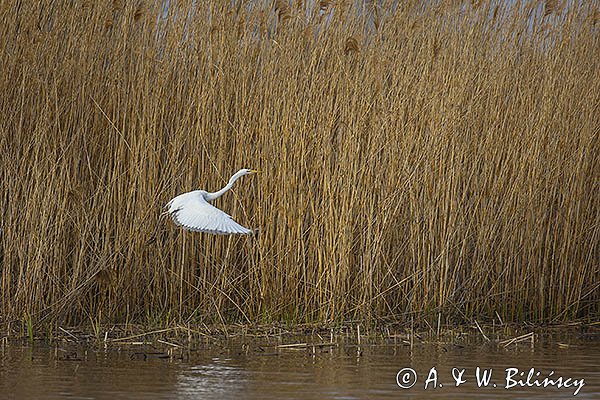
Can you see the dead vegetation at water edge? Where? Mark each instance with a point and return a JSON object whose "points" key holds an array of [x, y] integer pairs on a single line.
{"points": [[430, 160], [179, 342]]}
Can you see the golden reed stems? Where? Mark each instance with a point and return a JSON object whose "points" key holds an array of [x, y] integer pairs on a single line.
{"points": [[415, 161]]}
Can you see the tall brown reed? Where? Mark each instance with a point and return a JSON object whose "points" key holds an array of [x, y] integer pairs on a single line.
{"points": [[450, 167]]}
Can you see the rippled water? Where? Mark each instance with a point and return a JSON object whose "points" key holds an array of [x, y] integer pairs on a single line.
{"points": [[261, 370]]}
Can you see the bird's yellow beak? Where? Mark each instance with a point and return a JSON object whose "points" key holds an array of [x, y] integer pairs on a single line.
{"points": [[254, 171]]}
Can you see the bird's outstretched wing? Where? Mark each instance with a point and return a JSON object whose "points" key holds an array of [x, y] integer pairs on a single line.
{"points": [[198, 215]]}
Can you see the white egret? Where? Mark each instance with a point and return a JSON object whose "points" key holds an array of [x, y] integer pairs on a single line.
{"points": [[193, 211]]}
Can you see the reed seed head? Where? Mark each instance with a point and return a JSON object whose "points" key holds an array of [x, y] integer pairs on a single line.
{"points": [[351, 45]]}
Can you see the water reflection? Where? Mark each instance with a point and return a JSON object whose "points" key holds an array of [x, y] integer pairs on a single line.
{"points": [[220, 378]]}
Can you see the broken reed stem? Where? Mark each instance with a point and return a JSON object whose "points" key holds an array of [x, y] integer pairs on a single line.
{"points": [[144, 334], [481, 331], [528, 336]]}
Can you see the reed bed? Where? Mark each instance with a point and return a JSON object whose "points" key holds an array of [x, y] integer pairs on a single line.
{"points": [[433, 161]]}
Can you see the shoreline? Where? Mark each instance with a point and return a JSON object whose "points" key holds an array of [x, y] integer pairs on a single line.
{"points": [[321, 334]]}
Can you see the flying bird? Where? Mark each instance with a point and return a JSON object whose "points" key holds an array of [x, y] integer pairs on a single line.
{"points": [[193, 211]]}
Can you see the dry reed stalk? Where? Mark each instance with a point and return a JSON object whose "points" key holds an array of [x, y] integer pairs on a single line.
{"points": [[595, 16], [394, 187], [476, 4]]}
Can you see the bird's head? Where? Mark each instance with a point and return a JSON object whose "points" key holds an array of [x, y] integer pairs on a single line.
{"points": [[240, 173], [247, 171]]}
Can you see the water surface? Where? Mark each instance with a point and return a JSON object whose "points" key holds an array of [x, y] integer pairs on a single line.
{"points": [[259, 369]]}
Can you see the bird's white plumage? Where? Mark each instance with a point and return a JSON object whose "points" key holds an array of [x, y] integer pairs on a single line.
{"points": [[193, 212]]}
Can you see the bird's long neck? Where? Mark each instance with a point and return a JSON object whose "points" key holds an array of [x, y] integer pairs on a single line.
{"points": [[216, 195]]}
